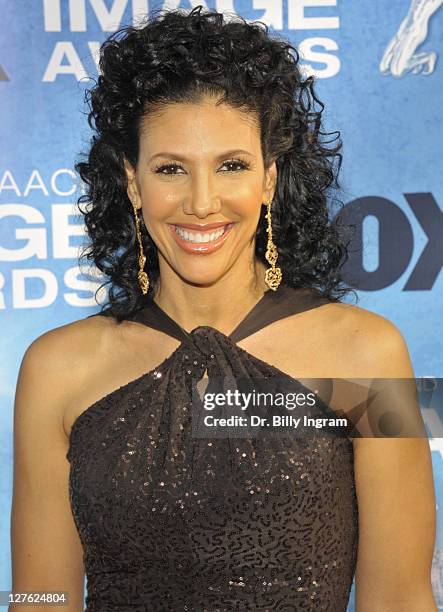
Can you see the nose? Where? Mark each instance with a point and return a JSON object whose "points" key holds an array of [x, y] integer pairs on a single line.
{"points": [[203, 198]]}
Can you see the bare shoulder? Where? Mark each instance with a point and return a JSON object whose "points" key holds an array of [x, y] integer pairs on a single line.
{"points": [[369, 340], [361, 319], [65, 348], [82, 362], [334, 340], [56, 363]]}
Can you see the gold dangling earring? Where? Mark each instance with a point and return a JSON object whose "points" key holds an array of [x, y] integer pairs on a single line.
{"points": [[273, 275], [143, 279]]}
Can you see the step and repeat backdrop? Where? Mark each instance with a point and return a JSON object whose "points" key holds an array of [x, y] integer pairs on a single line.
{"points": [[381, 78]]}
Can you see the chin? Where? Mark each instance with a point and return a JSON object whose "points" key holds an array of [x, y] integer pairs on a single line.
{"points": [[202, 277]]}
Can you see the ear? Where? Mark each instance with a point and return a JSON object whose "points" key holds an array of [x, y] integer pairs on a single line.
{"points": [[270, 182], [132, 189]]}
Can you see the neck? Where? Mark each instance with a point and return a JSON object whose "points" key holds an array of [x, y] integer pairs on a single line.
{"points": [[222, 304]]}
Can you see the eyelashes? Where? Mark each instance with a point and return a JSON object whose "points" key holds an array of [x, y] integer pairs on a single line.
{"points": [[240, 163]]}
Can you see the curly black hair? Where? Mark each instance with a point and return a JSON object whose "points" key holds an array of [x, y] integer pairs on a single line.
{"points": [[176, 56]]}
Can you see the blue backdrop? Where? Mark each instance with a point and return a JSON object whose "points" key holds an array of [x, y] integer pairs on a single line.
{"points": [[380, 77]]}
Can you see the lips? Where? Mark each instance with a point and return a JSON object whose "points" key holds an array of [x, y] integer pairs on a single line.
{"points": [[203, 227], [201, 238]]}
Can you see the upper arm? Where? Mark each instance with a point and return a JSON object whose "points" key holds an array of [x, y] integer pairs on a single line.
{"points": [[46, 549], [396, 502]]}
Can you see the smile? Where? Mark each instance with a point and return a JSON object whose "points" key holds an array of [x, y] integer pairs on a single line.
{"points": [[198, 241], [201, 237]]}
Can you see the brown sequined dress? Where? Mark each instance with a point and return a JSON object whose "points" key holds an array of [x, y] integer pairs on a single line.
{"points": [[169, 521]]}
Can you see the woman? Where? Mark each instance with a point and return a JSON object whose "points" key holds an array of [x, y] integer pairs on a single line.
{"points": [[207, 183]]}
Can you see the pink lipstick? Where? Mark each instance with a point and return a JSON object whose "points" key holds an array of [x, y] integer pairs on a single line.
{"points": [[201, 238]]}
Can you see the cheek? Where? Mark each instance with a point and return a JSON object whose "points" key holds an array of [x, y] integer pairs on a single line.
{"points": [[159, 201], [244, 201]]}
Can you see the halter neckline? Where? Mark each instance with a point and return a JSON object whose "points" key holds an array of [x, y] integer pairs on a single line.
{"points": [[199, 328], [272, 306]]}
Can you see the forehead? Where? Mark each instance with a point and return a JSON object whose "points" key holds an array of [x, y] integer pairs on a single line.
{"points": [[202, 125]]}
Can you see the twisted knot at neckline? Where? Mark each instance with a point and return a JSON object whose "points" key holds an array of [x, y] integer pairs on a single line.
{"points": [[203, 338]]}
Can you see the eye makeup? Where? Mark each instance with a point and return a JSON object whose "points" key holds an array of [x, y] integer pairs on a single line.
{"points": [[241, 164]]}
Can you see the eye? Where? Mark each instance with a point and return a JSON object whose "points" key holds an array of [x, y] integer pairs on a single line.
{"points": [[161, 169], [241, 164], [235, 165]]}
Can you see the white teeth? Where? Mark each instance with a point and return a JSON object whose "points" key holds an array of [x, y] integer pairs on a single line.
{"points": [[198, 236]]}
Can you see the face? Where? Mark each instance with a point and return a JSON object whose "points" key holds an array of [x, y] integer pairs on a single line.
{"points": [[200, 182]]}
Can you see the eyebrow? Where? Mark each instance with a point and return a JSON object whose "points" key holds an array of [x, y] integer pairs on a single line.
{"points": [[183, 158]]}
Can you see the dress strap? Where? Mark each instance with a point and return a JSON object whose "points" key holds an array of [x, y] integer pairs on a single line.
{"points": [[284, 302], [273, 305], [156, 318]]}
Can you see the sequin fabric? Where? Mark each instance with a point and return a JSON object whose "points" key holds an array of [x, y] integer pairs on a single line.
{"points": [[171, 522]]}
